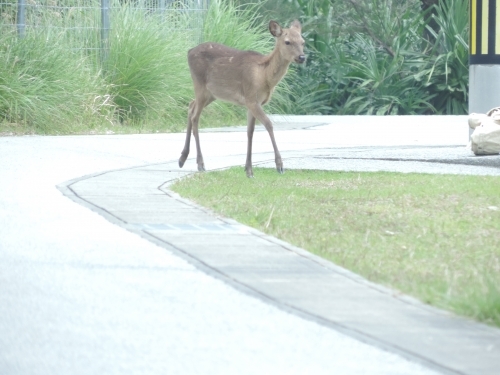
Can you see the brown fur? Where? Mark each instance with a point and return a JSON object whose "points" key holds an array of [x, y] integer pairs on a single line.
{"points": [[244, 78]]}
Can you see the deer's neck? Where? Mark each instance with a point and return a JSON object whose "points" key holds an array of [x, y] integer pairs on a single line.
{"points": [[276, 68]]}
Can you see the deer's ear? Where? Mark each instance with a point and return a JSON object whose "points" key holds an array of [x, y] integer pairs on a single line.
{"points": [[275, 29], [296, 25]]}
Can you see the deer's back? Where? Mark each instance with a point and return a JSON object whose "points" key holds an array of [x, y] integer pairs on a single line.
{"points": [[211, 58], [229, 74]]}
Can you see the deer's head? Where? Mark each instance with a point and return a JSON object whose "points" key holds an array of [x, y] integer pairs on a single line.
{"points": [[289, 42]]}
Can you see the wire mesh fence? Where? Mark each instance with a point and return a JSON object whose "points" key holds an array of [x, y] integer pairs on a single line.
{"points": [[86, 24]]}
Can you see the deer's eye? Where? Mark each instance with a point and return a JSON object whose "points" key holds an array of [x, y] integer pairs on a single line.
{"points": [[287, 42]]}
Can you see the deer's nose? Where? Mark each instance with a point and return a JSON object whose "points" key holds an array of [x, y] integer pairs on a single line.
{"points": [[301, 59]]}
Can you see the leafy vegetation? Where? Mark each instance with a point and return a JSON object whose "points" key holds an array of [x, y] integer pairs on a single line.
{"points": [[436, 237], [380, 56]]}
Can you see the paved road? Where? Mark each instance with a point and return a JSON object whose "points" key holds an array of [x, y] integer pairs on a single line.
{"points": [[81, 292]]}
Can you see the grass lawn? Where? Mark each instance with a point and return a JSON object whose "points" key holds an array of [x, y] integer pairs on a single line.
{"points": [[435, 237]]}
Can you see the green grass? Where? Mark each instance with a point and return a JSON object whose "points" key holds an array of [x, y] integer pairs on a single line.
{"points": [[436, 237]]}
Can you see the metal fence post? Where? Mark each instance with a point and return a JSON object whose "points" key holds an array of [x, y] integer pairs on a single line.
{"points": [[104, 29], [21, 18]]}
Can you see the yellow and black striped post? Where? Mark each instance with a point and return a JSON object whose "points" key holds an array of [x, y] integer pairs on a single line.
{"points": [[484, 32], [484, 55]]}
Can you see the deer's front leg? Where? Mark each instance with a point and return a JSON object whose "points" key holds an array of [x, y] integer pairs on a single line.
{"points": [[199, 156], [250, 130], [259, 114]]}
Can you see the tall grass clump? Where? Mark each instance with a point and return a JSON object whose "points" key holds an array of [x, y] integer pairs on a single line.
{"points": [[240, 27], [44, 86], [146, 68]]}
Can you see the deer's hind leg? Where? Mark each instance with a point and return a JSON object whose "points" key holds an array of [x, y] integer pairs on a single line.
{"points": [[201, 102], [194, 112]]}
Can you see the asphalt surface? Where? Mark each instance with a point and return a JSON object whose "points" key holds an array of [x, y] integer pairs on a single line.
{"points": [[135, 280]]}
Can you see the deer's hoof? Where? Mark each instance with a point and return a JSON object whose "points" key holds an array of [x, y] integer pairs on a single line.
{"points": [[279, 165], [201, 167], [182, 160], [249, 171]]}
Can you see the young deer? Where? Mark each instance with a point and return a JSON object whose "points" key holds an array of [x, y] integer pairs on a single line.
{"points": [[245, 78]]}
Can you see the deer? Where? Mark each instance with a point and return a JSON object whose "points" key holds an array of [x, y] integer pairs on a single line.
{"points": [[245, 78]]}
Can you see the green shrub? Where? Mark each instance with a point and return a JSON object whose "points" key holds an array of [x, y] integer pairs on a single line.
{"points": [[372, 57], [447, 73]]}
